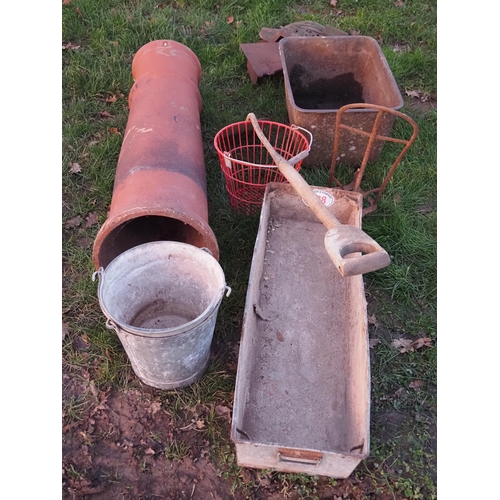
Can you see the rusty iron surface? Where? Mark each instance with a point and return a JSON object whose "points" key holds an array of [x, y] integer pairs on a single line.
{"points": [[160, 182], [322, 74], [375, 138], [263, 59], [299, 28]]}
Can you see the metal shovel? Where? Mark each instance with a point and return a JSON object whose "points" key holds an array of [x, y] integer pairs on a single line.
{"points": [[341, 240]]}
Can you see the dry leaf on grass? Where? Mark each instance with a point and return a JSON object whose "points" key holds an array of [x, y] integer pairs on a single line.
{"points": [[65, 330], [333, 3], [74, 222], [421, 342], [401, 344], [408, 345], [69, 45], [373, 342], [66, 2], [399, 3], [223, 411], [74, 168], [111, 98], [230, 20], [149, 451], [114, 130], [105, 114], [91, 220], [84, 242], [200, 424], [372, 320], [399, 393], [416, 384]]}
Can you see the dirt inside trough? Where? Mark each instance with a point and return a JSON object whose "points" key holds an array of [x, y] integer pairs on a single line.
{"points": [[324, 93]]}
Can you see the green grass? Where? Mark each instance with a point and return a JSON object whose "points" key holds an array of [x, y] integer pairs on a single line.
{"points": [[96, 79]]}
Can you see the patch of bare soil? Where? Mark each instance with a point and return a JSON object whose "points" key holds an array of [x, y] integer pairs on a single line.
{"points": [[118, 450], [422, 105]]}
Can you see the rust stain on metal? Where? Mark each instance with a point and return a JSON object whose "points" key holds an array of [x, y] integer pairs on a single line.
{"points": [[321, 75], [263, 59], [375, 138]]}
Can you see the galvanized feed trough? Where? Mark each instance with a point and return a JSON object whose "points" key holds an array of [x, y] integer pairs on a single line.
{"points": [[302, 397]]}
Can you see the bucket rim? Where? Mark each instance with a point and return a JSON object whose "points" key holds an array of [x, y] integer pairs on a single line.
{"points": [[160, 332]]}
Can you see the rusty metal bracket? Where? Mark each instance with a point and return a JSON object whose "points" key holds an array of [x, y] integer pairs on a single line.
{"points": [[372, 195]]}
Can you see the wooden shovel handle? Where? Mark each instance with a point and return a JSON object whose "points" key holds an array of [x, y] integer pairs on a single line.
{"points": [[296, 180]]}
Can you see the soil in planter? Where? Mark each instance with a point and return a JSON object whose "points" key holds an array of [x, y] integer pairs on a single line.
{"points": [[324, 93]]}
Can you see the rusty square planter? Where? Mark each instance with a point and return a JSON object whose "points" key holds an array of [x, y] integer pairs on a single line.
{"points": [[322, 74]]}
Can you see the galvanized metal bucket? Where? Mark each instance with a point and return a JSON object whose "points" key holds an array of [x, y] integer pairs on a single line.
{"points": [[162, 299]]}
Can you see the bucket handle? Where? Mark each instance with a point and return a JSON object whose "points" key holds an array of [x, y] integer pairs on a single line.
{"points": [[226, 288], [304, 153], [110, 324]]}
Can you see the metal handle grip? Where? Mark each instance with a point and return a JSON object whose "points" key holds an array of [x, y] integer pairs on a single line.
{"points": [[305, 457]]}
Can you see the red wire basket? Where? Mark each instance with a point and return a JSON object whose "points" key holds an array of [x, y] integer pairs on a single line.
{"points": [[246, 164]]}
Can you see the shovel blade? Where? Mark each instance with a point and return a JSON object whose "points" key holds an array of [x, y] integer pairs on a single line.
{"points": [[353, 252]]}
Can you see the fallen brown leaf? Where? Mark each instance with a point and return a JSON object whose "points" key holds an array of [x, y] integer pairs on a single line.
{"points": [[74, 168], [413, 93], [416, 384], [200, 424], [399, 393], [91, 220], [408, 345], [402, 344], [372, 320], [111, 98], [114, 130], [105, 114], [230, 20], [149, 451], [333, 3], [66, 2], [80, 344], [280, 337], [84, 242], [74, 222], [398, 3], [421, 342], [223, 411], [69, 45], [373, 342], [65, 330]]}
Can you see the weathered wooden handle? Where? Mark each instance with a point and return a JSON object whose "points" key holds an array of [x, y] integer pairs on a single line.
{"points": [[350, 248], [296, 180]]}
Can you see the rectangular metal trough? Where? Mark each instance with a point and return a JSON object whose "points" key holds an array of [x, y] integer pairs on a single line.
{"points": [[322, 74], [302, 397]]}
